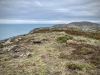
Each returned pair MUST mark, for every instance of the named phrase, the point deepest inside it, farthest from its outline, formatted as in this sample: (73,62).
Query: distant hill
(82,25)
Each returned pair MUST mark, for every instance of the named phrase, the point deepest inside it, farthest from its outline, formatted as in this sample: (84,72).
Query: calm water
(10,30)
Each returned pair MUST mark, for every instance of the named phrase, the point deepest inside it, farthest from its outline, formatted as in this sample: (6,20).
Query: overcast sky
(49,11)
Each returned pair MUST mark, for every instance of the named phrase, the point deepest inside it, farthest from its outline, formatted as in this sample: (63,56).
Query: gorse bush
(63,39)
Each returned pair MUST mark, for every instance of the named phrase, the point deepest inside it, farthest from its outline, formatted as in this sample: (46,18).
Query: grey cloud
(50,10)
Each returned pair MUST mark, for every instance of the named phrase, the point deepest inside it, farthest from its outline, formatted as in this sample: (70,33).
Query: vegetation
(63,39)
(74,66)
(83,50)
(94,35)
(96,61)
(1,45)
(72,31)
(88,52)
(63,56)
(23,57)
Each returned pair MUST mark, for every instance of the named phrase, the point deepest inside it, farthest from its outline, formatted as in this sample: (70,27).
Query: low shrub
(63,56)
(96,61)
(63,39)
(76,66)
(83,50)
(1,45)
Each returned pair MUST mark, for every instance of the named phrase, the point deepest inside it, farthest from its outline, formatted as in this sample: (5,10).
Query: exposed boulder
(13,48)
(16,39)
(37,41)
(7,42)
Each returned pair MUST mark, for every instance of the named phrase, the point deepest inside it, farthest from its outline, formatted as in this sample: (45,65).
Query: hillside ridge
(51,51)
(85,25)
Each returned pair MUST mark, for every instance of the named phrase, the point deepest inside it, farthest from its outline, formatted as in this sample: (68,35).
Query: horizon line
(14,21)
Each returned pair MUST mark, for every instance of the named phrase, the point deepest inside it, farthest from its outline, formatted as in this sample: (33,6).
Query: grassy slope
(51,57)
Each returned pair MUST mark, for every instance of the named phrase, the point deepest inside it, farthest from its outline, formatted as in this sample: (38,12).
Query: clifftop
(51,51)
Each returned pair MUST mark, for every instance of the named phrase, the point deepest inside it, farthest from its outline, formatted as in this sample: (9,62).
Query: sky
(49,11)
(30,14)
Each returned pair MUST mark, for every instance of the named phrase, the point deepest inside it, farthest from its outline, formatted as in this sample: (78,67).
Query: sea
(10,30)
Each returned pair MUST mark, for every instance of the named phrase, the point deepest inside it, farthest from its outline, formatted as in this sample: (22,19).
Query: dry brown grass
(50,57)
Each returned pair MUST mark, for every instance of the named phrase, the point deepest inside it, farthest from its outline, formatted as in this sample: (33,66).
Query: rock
(18,39)
(8,41)
(21,55)
(29,55)
(15,56)
(37,42)
(13,48)
(10,48)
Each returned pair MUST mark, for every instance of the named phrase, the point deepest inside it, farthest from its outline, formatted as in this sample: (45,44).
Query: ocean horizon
(10,30)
